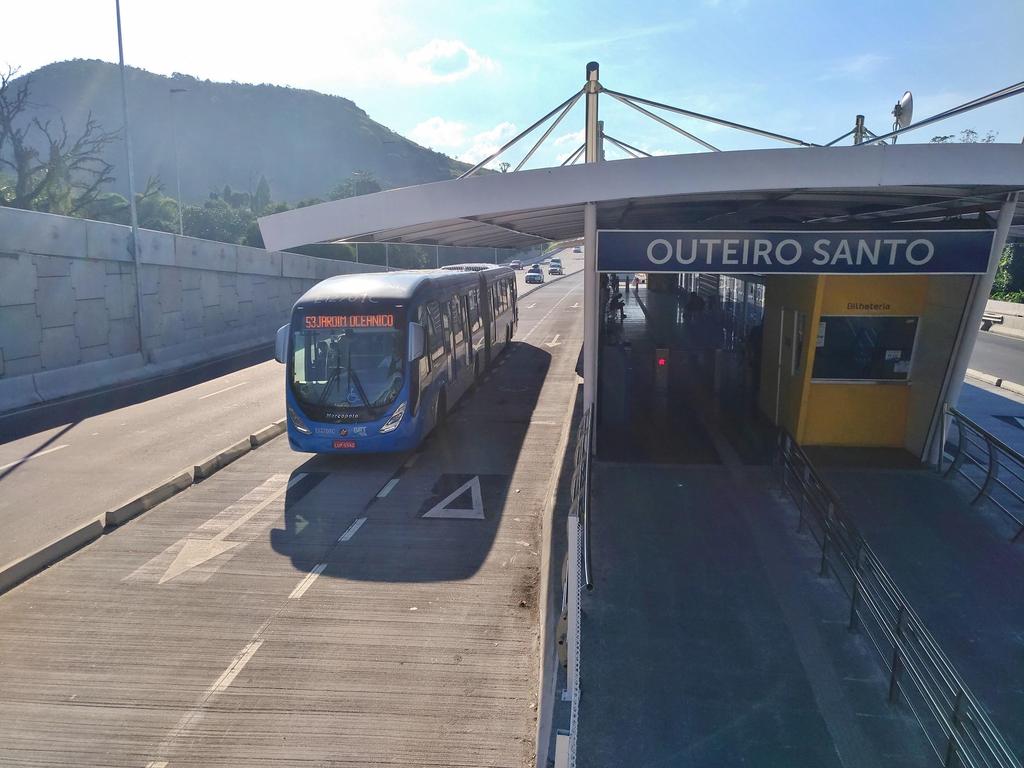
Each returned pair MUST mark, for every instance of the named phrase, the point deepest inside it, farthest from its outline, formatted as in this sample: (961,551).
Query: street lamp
(177,167)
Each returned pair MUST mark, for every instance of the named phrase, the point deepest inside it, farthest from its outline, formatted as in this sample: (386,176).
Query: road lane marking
(476,510)
(222,391)
(352,529)
(554,342)
(548,314)
(531,306)
(388,488)
(236,666)
(307,582)
(21,461)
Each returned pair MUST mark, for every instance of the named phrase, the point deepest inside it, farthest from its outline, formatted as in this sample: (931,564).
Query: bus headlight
(298,423)
(396,418)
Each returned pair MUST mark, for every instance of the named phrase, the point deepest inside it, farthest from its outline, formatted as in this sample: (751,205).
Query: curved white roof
(878,185)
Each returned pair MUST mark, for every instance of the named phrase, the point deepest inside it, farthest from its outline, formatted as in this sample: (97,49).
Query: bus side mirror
(281,344)
(417,341)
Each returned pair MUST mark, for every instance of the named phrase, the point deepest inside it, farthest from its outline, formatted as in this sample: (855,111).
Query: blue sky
(463,76)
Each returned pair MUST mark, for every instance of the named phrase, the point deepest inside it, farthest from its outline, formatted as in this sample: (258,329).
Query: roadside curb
(18,571)
(995,381)
(149,499)
(22,569)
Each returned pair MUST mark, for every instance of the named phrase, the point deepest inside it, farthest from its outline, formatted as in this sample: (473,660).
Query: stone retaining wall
(68,318)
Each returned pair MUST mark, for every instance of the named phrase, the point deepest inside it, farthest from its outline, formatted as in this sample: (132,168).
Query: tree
(261,199)
(358,183)
(967,136)
(504,166)
(64,177)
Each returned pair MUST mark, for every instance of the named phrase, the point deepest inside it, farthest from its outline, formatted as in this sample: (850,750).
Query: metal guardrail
(579,494)
(988,464)
(955,724)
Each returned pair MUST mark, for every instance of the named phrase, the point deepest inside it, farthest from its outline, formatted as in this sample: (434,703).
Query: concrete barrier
(14,573)
(221,459)
(988,378)
(149,499)
(268,433)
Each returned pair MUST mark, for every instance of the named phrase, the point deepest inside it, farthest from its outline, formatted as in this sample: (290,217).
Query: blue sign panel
(889,252)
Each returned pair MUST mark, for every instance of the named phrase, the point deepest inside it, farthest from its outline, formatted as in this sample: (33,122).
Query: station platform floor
(709,639)
(958,568)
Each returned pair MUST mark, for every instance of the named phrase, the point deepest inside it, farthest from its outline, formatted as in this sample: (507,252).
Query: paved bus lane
(296,609)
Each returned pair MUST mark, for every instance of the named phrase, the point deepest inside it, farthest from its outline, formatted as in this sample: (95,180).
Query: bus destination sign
(317,322)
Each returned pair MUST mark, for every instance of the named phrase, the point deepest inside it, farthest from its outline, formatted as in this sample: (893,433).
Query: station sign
(889,252)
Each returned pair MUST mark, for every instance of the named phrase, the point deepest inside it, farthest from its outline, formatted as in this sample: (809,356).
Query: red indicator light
(662,362)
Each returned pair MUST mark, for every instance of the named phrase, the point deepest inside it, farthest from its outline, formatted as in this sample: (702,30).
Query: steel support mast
(591,291)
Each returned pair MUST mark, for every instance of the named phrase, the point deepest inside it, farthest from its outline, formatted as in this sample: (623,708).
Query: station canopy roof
(856,187)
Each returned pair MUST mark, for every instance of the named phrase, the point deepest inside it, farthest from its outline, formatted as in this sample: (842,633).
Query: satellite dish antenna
(903,113)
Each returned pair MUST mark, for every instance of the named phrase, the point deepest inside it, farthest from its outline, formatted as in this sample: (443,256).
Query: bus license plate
(344,443)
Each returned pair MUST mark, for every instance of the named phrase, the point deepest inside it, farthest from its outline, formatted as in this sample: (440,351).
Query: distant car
(555,269)
(516,264)
(534,275)
(577,249)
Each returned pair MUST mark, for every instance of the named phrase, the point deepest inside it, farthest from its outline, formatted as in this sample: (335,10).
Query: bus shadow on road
(442,520)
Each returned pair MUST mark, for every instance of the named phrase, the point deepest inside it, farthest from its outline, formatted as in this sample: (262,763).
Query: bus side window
(455,308)
(437,341)
(474,310)
(424,320)
(446,320)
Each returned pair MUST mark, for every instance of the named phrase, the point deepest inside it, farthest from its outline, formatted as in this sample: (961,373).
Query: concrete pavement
(297,610)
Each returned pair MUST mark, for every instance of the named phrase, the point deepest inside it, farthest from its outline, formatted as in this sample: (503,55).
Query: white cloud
(573,139)
(443,61)
(487,142)
(439,133)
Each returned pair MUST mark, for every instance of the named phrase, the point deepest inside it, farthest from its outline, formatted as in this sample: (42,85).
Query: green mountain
(304,142)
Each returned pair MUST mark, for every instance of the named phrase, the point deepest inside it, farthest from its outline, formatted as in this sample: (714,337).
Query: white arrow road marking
(476,513)
(300,524)
(554,342)
(531,306)
(210,539)
(575,306)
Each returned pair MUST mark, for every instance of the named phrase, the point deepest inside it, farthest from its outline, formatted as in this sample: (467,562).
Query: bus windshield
(348,367)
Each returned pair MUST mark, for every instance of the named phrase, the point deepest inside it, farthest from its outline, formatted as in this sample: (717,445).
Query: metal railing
(988,464)
(579,493)
(955,724)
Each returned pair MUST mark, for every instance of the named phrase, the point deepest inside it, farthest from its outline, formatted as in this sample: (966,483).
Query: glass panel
(348,367)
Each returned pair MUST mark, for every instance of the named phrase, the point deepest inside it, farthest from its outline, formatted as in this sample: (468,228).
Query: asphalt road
(297,611)
(64,464)
(1001,356)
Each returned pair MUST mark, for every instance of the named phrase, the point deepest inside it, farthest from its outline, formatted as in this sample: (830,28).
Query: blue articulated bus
(375,361)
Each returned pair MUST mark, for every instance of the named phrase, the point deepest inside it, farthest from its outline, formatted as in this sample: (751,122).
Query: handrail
(1002,466)
(579,498)
(954,722)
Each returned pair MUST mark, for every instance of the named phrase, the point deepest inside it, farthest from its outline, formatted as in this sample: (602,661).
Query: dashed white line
(236,666)
(388,488)
(351,530)
(221,391)
(307,582)
(33,456)
(547,314)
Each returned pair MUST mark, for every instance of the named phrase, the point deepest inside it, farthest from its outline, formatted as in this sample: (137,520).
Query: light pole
(131,185)
(177,167)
